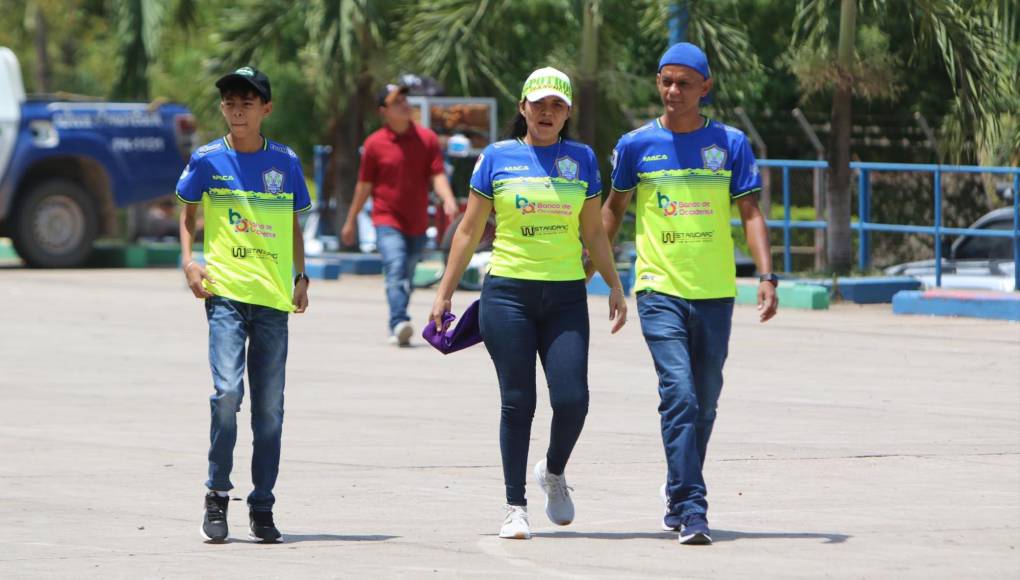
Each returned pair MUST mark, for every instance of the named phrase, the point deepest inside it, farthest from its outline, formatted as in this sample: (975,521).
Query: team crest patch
(273,180)
(714,157)
(566,167)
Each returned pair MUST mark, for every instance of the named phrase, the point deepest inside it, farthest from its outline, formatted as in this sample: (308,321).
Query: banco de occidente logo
(243,225)
(672,208)
(523,204)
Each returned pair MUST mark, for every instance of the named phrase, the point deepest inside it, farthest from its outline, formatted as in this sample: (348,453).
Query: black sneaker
(262,527)
(214,524)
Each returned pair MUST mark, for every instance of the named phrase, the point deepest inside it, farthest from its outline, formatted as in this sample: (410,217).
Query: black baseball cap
(387,93)
(254,77)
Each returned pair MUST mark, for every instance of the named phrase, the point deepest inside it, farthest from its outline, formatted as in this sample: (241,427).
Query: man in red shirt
(399,164)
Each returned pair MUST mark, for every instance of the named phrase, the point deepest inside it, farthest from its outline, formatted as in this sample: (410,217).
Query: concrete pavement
(850,444)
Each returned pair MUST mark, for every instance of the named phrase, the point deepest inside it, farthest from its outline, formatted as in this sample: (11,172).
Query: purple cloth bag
(464,335)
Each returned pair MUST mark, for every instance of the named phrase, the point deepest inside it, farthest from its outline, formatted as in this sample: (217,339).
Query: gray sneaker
(558,505)
(402,334)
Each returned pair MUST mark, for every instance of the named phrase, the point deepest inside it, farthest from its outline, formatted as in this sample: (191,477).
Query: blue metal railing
(863,226)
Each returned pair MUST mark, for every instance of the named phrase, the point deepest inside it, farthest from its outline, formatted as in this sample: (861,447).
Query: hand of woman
(617,308)
(440,307)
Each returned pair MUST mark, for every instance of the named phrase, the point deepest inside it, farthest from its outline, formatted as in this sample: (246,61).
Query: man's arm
(613,210)
(301,288)
(194,272)
(441,185)
(361,192)
(757,232)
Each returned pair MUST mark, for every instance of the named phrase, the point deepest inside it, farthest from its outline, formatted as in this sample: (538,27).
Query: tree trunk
(347,139)
(839,243)
(587,96)
(40,40)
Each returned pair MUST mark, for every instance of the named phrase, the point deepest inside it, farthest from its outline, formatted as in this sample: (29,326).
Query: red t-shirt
(400,168)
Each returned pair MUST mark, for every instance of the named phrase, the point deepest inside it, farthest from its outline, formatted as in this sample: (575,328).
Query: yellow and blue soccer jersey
(249,200)
(685,185)
(537,193)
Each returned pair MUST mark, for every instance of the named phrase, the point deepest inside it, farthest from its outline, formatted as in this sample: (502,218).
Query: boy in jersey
(687,170)
(251,190)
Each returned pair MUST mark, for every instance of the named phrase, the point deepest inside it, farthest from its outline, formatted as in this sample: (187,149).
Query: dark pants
(231,324)
(519,318)
(689,341)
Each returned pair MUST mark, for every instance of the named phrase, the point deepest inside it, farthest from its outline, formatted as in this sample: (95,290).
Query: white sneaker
(558,505)
(402,334)
(665,503)
(515,525)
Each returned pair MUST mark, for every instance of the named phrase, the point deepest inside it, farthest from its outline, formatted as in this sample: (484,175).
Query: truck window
(973,248)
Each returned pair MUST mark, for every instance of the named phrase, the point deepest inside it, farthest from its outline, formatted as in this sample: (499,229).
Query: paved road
(850,444)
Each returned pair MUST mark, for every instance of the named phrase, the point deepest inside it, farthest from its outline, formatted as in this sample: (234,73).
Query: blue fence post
(938,228)
(1016,232)
(863,215)
(679,17)
(321,153)
(787,258)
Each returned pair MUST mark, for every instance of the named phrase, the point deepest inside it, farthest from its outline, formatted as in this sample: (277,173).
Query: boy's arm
(301,287)
(194,272)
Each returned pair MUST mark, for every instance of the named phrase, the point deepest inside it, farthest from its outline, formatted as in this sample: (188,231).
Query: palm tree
(608,48)
(965,39)
(35,22)
(139,26)
(341,44)
(715,26)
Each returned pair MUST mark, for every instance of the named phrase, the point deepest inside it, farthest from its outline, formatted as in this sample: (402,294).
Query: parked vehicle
(971,262)
(67,164)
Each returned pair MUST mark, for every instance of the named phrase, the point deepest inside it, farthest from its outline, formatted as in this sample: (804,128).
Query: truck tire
(55,223)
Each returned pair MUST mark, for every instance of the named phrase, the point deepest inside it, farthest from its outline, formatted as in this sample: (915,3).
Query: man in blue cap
(687,170)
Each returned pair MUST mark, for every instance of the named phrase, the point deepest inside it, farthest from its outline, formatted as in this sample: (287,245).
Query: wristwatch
(302,276)
(770,277)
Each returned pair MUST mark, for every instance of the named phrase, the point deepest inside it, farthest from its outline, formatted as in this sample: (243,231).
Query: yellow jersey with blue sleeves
(249,200)
(685,185)
(537,194)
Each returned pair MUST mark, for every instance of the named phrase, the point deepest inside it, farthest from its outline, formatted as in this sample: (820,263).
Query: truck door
(12,95)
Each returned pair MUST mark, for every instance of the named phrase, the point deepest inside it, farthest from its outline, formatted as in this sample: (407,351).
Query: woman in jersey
(545,192)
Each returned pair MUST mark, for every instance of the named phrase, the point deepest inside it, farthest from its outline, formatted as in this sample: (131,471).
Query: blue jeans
(689,340)
(231,323)
(519,318)
(400,255)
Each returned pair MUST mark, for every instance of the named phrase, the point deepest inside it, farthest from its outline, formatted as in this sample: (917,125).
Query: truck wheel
(55,224)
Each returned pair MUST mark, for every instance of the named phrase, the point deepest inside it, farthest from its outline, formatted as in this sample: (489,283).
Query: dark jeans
(231,323)
(689,341)
(400,256)
(519,318)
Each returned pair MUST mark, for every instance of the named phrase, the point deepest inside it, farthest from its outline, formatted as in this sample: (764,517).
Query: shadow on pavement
(609,535)
(730,536)
(298,538)
(717,536)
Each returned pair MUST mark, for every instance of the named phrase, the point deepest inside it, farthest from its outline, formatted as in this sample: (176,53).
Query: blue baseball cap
(690,56)
(686,54)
